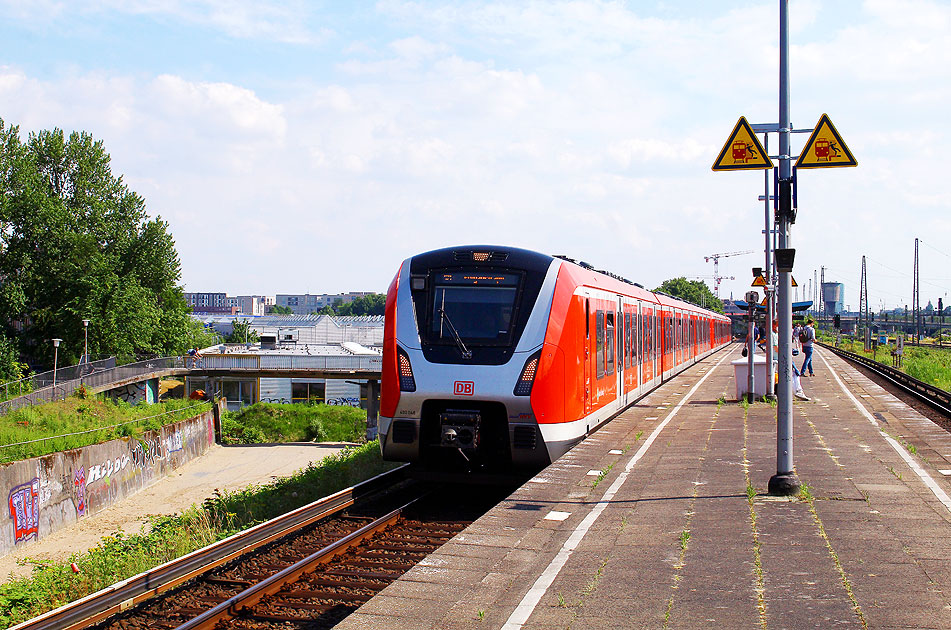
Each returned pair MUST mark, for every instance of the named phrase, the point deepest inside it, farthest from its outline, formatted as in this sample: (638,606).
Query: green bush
(274,422)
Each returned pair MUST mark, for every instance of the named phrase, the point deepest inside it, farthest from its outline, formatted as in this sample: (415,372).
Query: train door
(621,354)
(691,336)
(678,338)
(635,348)
(587,355)
(647,357)
(666,350)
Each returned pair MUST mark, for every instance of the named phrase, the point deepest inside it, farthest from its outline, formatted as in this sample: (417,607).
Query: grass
(930,365)
(272,423)
(120,556)
(601,476)
(94,419)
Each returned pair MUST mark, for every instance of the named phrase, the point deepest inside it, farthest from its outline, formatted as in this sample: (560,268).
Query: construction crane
(716,267)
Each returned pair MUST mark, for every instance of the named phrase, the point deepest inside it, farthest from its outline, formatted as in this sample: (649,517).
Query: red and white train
(497,358)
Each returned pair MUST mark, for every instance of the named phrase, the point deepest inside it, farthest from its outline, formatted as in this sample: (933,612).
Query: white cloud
(584,128)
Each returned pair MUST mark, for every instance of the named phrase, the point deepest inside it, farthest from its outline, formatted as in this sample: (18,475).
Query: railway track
(310,567)
(936,398)
(131,592)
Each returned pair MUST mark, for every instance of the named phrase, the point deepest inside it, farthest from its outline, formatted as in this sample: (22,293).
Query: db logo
(463,388)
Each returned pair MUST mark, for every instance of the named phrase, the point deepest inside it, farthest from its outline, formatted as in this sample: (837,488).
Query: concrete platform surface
(221,468)
(660,520)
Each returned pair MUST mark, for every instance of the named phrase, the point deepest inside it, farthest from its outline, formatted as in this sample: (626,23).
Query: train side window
(599,342)
(609,349)
(635,332)
(587,318)
(628,339)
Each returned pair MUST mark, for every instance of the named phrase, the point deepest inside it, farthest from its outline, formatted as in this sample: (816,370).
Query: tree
(372,304)
(242,332)
(76,243)
(326,310)
(11,369)
(277,309)
(694,291)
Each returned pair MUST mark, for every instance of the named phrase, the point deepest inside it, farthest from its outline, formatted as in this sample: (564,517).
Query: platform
(660,520)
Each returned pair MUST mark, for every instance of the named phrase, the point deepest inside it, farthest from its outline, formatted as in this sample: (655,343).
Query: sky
(300,146)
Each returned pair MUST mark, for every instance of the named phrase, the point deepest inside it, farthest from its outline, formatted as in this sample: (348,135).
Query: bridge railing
(289,362)
(106,374)
(101,377)
(45,379)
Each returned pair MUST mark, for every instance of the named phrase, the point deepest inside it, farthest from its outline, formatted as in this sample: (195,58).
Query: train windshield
(475,306)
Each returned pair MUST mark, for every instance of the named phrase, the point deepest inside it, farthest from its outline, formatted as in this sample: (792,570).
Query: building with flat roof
(305,303)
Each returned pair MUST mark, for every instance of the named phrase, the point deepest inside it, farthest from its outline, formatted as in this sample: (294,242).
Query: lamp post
(86,340)
(55,358)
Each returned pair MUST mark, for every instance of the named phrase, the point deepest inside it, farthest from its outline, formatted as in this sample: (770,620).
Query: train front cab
(452,402)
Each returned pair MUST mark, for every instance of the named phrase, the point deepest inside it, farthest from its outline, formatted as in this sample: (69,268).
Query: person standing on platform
(806,337)
(797,384)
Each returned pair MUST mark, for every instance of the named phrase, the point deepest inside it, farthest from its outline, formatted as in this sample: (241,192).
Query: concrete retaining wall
(46,493)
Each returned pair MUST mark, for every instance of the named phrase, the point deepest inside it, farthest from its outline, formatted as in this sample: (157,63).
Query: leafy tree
(694,291)
(199,335)
(76,243)
(373,304)
(11,369)
(241,332)
(326,310)
(277,309)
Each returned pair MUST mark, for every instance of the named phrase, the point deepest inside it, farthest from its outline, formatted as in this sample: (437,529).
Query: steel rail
(125,594)
(935,397)
(271,585)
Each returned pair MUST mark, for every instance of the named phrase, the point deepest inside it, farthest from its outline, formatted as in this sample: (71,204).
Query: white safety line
(534,595)
(902,452)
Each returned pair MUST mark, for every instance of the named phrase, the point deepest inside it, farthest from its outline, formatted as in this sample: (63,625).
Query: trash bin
(741,373)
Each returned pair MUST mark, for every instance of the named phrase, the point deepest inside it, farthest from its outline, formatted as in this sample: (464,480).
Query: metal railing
(103,374)
(45,379)
(100,377)
(289,362)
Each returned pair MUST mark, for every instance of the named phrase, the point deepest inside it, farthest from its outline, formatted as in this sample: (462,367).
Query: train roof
(535,260)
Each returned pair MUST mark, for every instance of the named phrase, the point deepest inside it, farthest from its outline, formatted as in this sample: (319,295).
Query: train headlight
(407,382)
(525,381)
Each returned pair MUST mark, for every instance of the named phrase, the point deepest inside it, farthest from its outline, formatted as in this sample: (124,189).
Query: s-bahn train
(497,358)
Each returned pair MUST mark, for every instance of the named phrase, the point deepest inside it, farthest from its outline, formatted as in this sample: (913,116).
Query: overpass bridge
(106,377)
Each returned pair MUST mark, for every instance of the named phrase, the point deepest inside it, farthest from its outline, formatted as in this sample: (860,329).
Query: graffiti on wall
(83,486)
(79,488)
(24,502)
(146,452)
(108,468)
(344,401)
(133,393)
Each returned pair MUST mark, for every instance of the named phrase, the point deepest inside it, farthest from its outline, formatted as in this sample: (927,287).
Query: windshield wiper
(444,317)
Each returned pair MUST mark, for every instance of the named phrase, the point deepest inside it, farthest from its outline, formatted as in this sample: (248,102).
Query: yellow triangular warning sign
(794,283)
(759,281)
(825,147)
(765,300)
(742,151)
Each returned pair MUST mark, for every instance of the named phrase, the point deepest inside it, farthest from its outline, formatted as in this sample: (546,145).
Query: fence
(289,362)
(45,379)
(102,375)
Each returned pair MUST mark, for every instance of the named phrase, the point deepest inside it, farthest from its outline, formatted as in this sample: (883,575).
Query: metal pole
(750,350)
(55,359)
(784,482)
(770,374)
